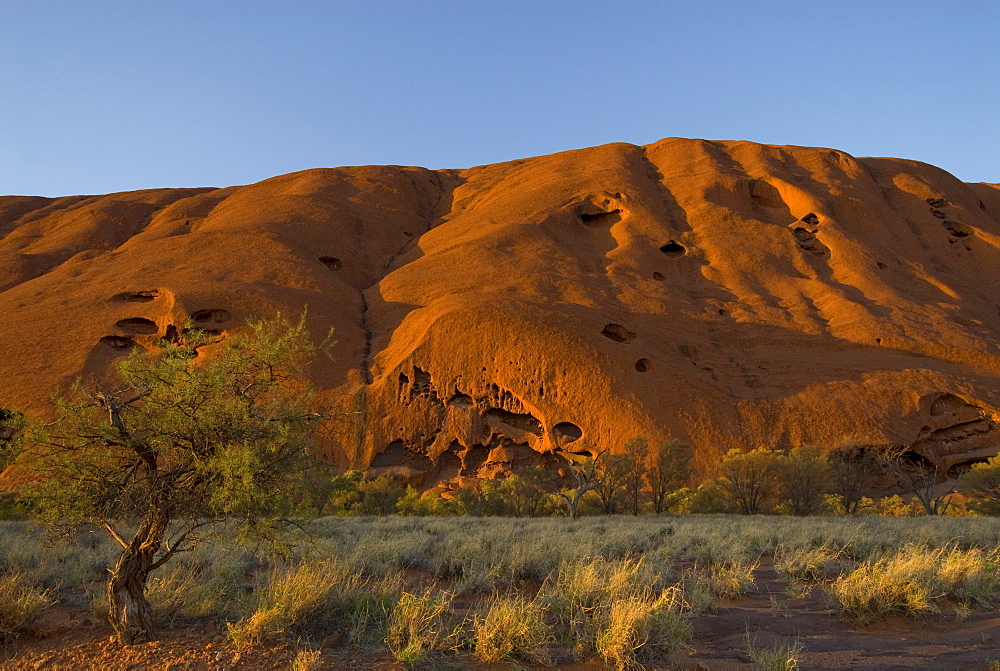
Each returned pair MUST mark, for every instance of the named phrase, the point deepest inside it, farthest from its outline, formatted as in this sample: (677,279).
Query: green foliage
(749,478)
(804,474)
(667,471)
(709,497)
(182,441)
(982,482)
(205,437)
(379,496)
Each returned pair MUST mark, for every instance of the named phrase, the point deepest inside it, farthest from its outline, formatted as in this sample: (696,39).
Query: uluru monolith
(728,294)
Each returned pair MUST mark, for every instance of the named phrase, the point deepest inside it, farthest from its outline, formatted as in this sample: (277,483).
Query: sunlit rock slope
(725,293)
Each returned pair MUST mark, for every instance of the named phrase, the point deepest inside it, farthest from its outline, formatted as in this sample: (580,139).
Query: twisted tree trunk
(129,612)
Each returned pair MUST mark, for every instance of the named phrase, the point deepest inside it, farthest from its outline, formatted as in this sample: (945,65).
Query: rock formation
(725,293)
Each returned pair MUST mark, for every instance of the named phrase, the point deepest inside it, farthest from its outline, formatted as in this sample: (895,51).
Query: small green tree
(668,470)
(634,474)
(379,496)
(749,477)
(982,482)
(183,441)
(805,475)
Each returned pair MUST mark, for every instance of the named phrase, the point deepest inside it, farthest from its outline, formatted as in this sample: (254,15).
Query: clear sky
(100,96)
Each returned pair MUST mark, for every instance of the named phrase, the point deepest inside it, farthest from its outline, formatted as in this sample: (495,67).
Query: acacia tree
(182,442)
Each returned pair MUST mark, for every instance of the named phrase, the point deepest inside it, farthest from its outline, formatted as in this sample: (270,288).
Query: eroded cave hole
(602,218)
(673,249)
(522,422)
(331,262)
(956,229)
(658,276)
(937,202)
(946,404)
(397,454)
(138,325)
(567,432)
(642,365)
(810,219)
(118,342)
(617,332)
(939,214)
(137,296)
(459,400)
(216,315)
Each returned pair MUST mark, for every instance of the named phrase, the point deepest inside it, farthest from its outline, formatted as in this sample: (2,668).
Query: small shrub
(643,629)
(21,604)
(292,595)
(420,624)
(307,660)
(511,630)
(782,655)
(732,579)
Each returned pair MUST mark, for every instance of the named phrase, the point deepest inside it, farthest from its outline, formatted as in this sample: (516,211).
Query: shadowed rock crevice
(617,332)
(673,249)
(119,343)
(331,262)
(146,296)
(138,325)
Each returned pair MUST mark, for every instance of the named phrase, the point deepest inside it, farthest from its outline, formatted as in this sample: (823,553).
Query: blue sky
(101,96)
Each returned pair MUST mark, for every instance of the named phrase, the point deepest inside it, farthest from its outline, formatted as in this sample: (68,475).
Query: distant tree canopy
(176,444)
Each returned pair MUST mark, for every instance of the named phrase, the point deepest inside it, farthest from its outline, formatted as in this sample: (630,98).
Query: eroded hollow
(214,315)
(617,332)
(331,262)
(138,325)
(673,249)
(522,422)
(460,400)
(811,219)
(119,343)
(956,229)
(937,202)
(602,218)
(137,296)
(658,276)
(642,365)
(567,432)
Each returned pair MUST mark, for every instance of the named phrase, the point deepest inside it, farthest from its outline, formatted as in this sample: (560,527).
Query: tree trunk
(129,611)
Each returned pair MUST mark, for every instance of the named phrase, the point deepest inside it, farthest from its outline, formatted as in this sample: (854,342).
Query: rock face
(725,293)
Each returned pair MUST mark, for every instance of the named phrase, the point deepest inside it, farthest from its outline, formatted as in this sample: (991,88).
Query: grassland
(620,591)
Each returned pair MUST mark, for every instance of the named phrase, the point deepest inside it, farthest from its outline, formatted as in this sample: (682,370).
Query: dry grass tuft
(21,604)
(511,630)
(420,624)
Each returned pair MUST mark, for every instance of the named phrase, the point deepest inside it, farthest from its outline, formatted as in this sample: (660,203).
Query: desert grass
(311,599)
(918,579)
(22,603)
(783,653)
(421,625)
(620,590)
(511,629)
